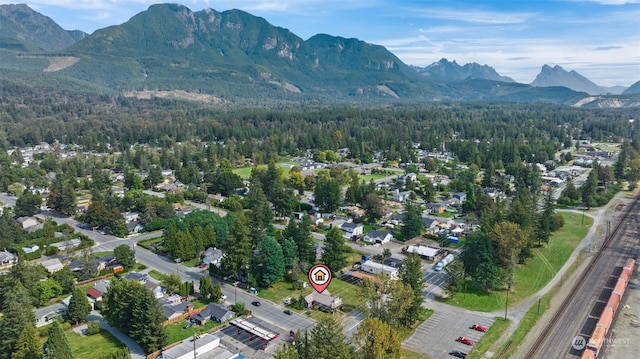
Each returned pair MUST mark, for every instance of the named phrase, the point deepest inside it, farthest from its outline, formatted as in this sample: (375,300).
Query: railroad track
(585,285)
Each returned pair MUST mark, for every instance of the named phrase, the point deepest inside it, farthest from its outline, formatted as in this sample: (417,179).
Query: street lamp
(506,303)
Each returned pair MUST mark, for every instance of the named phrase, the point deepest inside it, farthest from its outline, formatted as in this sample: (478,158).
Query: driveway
(135,350)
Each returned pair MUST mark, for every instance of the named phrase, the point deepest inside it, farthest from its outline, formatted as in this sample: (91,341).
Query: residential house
(428,253)
(401,196)
(378,237)
(94,295)
(31,249)
(173,309)
(6,257)
(430,225)
(204,346)
(27,222)
(102,286)
(68,244)
(157,290)
(213,256)
(131,217)
(323,300)
(387,212)
(460,196)
(134,227)
(47,314)
(52,265)
(350,230)
(213,311)
(436,207)
(140,277)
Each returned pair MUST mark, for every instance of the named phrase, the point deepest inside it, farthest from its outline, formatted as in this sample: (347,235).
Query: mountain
(32,31)
(633,89)
(614,90)
(557,76)
(233,56)
(450,71)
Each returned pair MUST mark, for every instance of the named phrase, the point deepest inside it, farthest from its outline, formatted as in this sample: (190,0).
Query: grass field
(156,275)
(537,272)
(93,346)
(176,331)
(244,172)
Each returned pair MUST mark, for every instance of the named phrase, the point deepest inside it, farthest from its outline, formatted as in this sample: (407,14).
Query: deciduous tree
(125,255)
(375,339)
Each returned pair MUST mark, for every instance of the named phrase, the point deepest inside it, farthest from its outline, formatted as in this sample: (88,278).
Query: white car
(224,297)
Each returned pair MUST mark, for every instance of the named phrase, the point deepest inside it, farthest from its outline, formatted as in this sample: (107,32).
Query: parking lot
(436,337)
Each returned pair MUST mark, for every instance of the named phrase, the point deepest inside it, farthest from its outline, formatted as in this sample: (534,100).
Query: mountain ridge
(557,76)
(451,71)
(235,55)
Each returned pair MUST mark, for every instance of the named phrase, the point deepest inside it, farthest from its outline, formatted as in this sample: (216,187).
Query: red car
(465,340)
(479,328)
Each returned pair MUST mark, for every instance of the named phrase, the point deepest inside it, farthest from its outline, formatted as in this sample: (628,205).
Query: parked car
(188,325)
(458,354)
(202,265)
(287,312)
(479,328)
(223,297)
(465,340)
(256,303)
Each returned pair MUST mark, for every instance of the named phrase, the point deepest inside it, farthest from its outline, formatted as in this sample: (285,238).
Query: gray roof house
(172,310)
(213,311)
(52,265)
(6,257)
(47,314)
(212,256)
(375,236)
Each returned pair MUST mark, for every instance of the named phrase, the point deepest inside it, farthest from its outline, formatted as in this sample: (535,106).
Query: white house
(212,256)
(378,237)
(375,268)
(349,230)
(428,253)
(206,345)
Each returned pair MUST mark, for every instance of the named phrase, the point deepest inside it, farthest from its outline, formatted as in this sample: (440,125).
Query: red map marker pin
(319,277)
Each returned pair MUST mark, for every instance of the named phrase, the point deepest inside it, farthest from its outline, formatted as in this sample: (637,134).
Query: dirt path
(591,241)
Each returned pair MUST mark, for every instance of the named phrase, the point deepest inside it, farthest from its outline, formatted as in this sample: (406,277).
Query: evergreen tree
(327,194)
(239,247)
(216,292)
(57,344)
(289,252)
(411,275)
(28,345)
(79,306)
(147,327)
(306,251)
(132,308)
(205,287)
(334,250)
(17,314)
(412,220)
(28,204)
(328,341)
(272,261)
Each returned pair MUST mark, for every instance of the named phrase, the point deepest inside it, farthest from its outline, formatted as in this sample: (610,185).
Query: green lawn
(156,275)
(93,346)
(244,172)
(102,254)
(537,272)
(374,177)
(176,331)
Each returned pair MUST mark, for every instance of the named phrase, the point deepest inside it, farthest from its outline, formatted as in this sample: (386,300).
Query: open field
(537,272)
(93,346)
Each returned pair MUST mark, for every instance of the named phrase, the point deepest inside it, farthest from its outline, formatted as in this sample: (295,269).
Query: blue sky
(600,39)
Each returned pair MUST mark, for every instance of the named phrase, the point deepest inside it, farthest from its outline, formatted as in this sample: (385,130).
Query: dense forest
(480,133)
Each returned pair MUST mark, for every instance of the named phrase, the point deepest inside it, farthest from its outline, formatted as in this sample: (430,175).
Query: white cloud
(475,16)
(609,2)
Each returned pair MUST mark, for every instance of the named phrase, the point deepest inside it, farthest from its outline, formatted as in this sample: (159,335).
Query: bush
(93,327)
(66,326)
(51,250)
